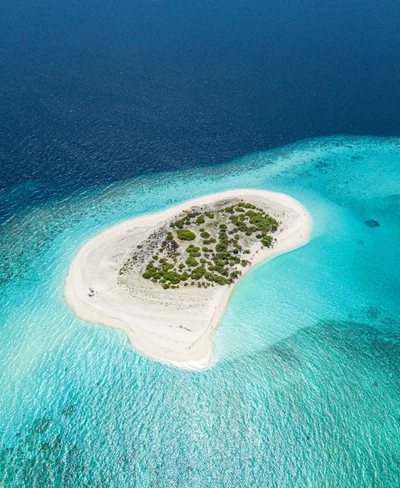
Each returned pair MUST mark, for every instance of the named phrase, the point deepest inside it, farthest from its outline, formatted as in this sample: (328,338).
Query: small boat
(91,289)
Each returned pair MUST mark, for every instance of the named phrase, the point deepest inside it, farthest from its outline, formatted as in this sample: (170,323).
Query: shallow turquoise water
(304,390)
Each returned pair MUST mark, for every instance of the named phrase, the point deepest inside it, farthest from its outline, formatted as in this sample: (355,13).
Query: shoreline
(152,326)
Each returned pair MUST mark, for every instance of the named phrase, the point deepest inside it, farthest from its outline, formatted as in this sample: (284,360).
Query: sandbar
(173,326)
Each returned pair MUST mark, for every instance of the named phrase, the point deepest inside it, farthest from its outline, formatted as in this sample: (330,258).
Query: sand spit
(173,326)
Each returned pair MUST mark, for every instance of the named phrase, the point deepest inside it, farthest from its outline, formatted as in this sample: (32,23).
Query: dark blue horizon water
(99,91)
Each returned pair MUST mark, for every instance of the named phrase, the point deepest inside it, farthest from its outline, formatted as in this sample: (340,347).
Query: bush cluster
(247,220)
(186,235)
(192,262)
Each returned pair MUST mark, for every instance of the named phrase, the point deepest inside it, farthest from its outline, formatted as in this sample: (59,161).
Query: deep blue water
(97,91)
(109,110)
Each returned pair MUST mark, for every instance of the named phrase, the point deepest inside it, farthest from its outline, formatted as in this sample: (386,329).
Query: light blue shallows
(304,389)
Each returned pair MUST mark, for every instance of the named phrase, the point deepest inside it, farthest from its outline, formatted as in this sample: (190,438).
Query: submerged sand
(174,326)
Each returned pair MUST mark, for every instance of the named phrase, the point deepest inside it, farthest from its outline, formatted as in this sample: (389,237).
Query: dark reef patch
(372,223)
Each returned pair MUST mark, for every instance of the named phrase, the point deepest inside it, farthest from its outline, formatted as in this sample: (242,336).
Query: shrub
(205,235)
(209,215)
(192,248)
(192,261)
(266,241)
(221,280)
(221,246)
(179,224)
(198,273)
(200,220)
(173,277)
(186,235)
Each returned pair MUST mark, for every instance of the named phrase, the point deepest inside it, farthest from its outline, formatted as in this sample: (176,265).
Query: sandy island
(174,326)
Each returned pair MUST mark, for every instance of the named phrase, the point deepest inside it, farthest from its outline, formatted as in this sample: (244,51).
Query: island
(165,279)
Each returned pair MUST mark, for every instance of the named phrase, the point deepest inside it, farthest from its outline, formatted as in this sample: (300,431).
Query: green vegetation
(191,261)
(186,235)
(217,257)
(200,220)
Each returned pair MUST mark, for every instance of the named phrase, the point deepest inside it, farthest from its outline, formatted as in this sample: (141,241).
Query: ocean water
(96,91)
(304,389)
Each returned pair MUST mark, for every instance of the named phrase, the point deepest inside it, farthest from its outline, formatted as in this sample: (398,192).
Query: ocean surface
(95,91)
(113,109)
(304,389)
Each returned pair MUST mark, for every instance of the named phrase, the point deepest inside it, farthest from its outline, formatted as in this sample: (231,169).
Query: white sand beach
(174,326)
